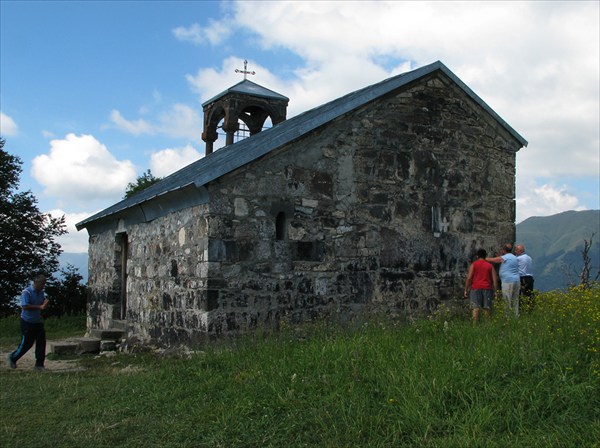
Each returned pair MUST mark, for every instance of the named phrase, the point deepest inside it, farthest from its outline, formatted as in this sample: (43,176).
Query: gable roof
(231,157)
(249,88)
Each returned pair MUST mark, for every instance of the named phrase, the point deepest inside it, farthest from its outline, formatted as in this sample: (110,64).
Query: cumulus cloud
(72,241)
(181,121)
(216,32)
(8,127)
(81,168)
(167,161)
(545,200)
(136,127)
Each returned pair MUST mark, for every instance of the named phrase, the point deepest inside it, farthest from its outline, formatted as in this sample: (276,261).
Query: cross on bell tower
(245,71)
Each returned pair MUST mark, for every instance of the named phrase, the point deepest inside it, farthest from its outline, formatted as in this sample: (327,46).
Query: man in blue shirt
(509,277)
(33,301)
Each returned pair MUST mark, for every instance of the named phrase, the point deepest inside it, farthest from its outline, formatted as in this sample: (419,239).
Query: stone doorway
(122,246)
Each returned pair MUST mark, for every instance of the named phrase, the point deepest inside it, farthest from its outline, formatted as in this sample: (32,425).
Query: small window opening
(281,227)
(436,220)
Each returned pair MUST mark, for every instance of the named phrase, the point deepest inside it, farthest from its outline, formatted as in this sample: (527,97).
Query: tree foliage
(27,236)
(142,182)
(68,295)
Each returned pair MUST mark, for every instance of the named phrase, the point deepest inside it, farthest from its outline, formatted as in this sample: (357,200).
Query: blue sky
(94,93)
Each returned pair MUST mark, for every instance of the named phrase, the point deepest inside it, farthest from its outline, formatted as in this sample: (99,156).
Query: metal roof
(249,88)
(231,157)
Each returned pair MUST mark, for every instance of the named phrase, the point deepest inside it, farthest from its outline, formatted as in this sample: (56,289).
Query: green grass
(527,383)
(56,328)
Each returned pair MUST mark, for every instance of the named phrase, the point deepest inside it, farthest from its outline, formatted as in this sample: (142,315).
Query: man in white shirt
(525,275)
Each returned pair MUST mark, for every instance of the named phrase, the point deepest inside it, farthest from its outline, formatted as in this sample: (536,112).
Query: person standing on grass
(481,285)
(525,275)
(509,277)
(33,301)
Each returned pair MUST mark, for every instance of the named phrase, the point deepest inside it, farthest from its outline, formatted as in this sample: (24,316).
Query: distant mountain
(78,260)
(555,244)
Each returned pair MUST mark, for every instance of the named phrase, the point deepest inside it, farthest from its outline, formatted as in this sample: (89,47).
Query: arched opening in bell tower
(240,112)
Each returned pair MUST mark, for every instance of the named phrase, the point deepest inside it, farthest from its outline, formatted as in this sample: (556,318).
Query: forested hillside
(555,244)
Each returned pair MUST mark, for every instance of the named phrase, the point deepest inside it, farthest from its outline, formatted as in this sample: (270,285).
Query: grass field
(439,382)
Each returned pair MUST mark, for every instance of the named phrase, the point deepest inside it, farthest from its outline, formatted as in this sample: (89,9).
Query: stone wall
(167,278)
(382,210)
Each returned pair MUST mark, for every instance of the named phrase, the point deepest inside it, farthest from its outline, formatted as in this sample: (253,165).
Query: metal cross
(245,72)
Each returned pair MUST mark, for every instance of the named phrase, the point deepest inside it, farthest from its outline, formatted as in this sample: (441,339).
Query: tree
(68,295)
(27,236)
(587,264)
(142,182)
(580,274)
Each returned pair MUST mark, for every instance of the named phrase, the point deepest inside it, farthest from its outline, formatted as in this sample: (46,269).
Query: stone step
(89,345)
(64,348)
(111,334)
(75,346)
(108,346)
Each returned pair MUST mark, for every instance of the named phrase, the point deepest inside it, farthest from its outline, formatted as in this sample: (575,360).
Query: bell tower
(246,102)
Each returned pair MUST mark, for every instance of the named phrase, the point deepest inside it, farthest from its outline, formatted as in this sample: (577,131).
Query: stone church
(376,201)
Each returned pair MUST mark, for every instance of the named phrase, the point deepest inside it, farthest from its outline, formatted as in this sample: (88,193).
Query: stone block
(112,334)
(108,346)
(64,348)
(88,345)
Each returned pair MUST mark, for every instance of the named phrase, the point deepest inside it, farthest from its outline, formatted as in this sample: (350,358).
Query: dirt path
(27,362)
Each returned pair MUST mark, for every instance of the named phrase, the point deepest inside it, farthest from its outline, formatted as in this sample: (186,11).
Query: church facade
(375,201)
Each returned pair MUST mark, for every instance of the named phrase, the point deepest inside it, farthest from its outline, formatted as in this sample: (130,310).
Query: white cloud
(167,161)
(545,200)
(216,32)
(181,121)
(8,127)
(73,241)
(81,168)
(417,31)
(136,127)
(209,82)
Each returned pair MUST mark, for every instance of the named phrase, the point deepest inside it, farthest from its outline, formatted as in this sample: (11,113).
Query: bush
(67,296)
